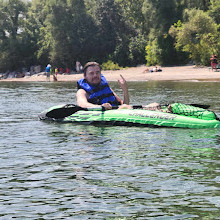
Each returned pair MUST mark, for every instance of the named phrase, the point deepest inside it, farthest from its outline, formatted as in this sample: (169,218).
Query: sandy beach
(177,73)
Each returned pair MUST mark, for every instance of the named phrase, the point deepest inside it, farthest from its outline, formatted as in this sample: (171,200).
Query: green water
(68,171)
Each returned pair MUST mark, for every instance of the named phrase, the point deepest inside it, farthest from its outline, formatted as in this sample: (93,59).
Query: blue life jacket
(98,94)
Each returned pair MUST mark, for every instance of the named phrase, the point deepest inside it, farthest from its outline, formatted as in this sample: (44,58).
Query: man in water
(94,91)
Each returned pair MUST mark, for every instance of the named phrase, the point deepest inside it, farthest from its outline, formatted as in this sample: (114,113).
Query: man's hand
(122,82)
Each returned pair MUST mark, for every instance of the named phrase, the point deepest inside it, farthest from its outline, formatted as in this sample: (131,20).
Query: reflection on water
(69,171)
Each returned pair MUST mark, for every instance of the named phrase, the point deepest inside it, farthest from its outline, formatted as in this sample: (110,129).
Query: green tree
(13,14)
(132,12)
(153,52)
(214,10)
(159,15)
(195,4)
(114,32)
(136,47)
(67,33)
(198,36)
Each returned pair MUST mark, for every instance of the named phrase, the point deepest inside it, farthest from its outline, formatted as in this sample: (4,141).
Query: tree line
(124,32)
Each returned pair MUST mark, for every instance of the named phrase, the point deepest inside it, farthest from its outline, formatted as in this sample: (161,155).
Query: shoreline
(174,73)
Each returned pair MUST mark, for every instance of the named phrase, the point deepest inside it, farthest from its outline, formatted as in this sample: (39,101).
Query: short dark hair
(90,64)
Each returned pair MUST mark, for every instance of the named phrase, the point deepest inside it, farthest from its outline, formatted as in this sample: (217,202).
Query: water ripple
(67,171)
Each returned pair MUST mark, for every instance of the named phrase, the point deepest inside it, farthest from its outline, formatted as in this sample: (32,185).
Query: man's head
(92,73)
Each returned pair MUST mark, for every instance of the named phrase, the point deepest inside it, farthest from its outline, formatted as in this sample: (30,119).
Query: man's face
(93,75)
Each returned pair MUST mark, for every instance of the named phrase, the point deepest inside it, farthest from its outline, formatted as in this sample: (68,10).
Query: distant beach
(174,73)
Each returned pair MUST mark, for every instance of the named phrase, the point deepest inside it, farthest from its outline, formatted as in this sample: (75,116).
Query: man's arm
(82,101)
(118,99)
(123,84)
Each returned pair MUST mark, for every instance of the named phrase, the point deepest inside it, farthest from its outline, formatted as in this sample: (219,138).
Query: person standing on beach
(48,72)
(56,71)
(214,62)
(78,67)
(67,70)
(94,91)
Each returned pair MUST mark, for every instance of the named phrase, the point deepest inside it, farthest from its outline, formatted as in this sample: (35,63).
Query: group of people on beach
(49,70)
(155,69)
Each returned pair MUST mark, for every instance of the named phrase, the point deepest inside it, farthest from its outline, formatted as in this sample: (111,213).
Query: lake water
(69,171)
